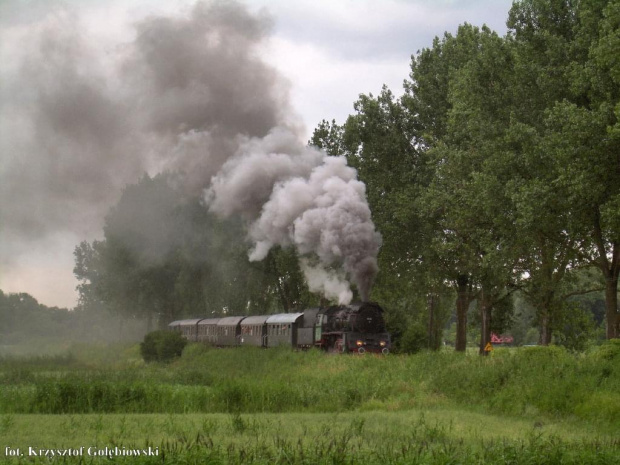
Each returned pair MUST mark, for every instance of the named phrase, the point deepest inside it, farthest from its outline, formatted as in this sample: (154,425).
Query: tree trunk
(545,327)
(485,322)
(431,320)
(462,305)
(611,272)
(546,293)
(611,308)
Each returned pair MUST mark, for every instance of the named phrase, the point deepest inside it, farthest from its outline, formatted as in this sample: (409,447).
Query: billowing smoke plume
(84,112)
(80,118)
(294,195)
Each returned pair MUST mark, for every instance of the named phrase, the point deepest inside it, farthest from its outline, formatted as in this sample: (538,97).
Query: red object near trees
(495,339)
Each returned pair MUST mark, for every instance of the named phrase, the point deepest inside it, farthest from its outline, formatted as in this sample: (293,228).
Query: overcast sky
(327,52)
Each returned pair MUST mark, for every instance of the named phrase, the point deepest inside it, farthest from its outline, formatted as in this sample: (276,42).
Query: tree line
(496,174)
(29,327)
(498,170)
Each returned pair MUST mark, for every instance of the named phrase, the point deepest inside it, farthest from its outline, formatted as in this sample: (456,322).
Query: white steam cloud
(298,196)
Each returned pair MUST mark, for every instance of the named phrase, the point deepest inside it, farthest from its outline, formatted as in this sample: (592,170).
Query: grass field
(531,405)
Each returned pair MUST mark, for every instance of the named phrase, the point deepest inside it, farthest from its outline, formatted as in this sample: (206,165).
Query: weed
(237,423)
(6,423)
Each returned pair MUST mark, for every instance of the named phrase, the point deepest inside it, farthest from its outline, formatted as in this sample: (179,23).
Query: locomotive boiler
(356,328)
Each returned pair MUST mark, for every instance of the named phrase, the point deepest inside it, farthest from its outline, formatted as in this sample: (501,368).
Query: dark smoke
(188,94)
(75,128)
(79,120)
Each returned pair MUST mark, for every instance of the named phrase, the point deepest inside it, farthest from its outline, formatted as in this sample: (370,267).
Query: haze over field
(93,95)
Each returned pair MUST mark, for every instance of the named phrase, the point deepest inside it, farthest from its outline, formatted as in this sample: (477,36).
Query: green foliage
(609,351)
(162,346)
(498,164)
(414,339)
(576,327)
(531,337)
(537,382)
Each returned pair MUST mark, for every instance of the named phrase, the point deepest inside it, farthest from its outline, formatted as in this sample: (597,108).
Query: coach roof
(185,322)
(230,321)
(283,318)
(255,320)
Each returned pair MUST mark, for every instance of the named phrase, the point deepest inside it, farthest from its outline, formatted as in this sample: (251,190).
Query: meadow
(522,405)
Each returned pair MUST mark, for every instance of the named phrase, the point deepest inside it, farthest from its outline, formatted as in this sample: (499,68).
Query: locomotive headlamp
(359,343)
(382,343)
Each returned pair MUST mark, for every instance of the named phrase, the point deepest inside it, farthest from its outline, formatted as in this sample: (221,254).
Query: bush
(414,339)
(162,346)
(609,350)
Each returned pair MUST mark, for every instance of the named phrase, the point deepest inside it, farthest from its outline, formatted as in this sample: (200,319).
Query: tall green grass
(364,438)
(537,381)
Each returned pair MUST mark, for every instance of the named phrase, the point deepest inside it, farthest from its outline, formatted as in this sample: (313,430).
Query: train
(356,328)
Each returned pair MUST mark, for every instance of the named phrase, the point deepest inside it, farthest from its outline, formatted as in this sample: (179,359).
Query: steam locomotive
(344,328)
